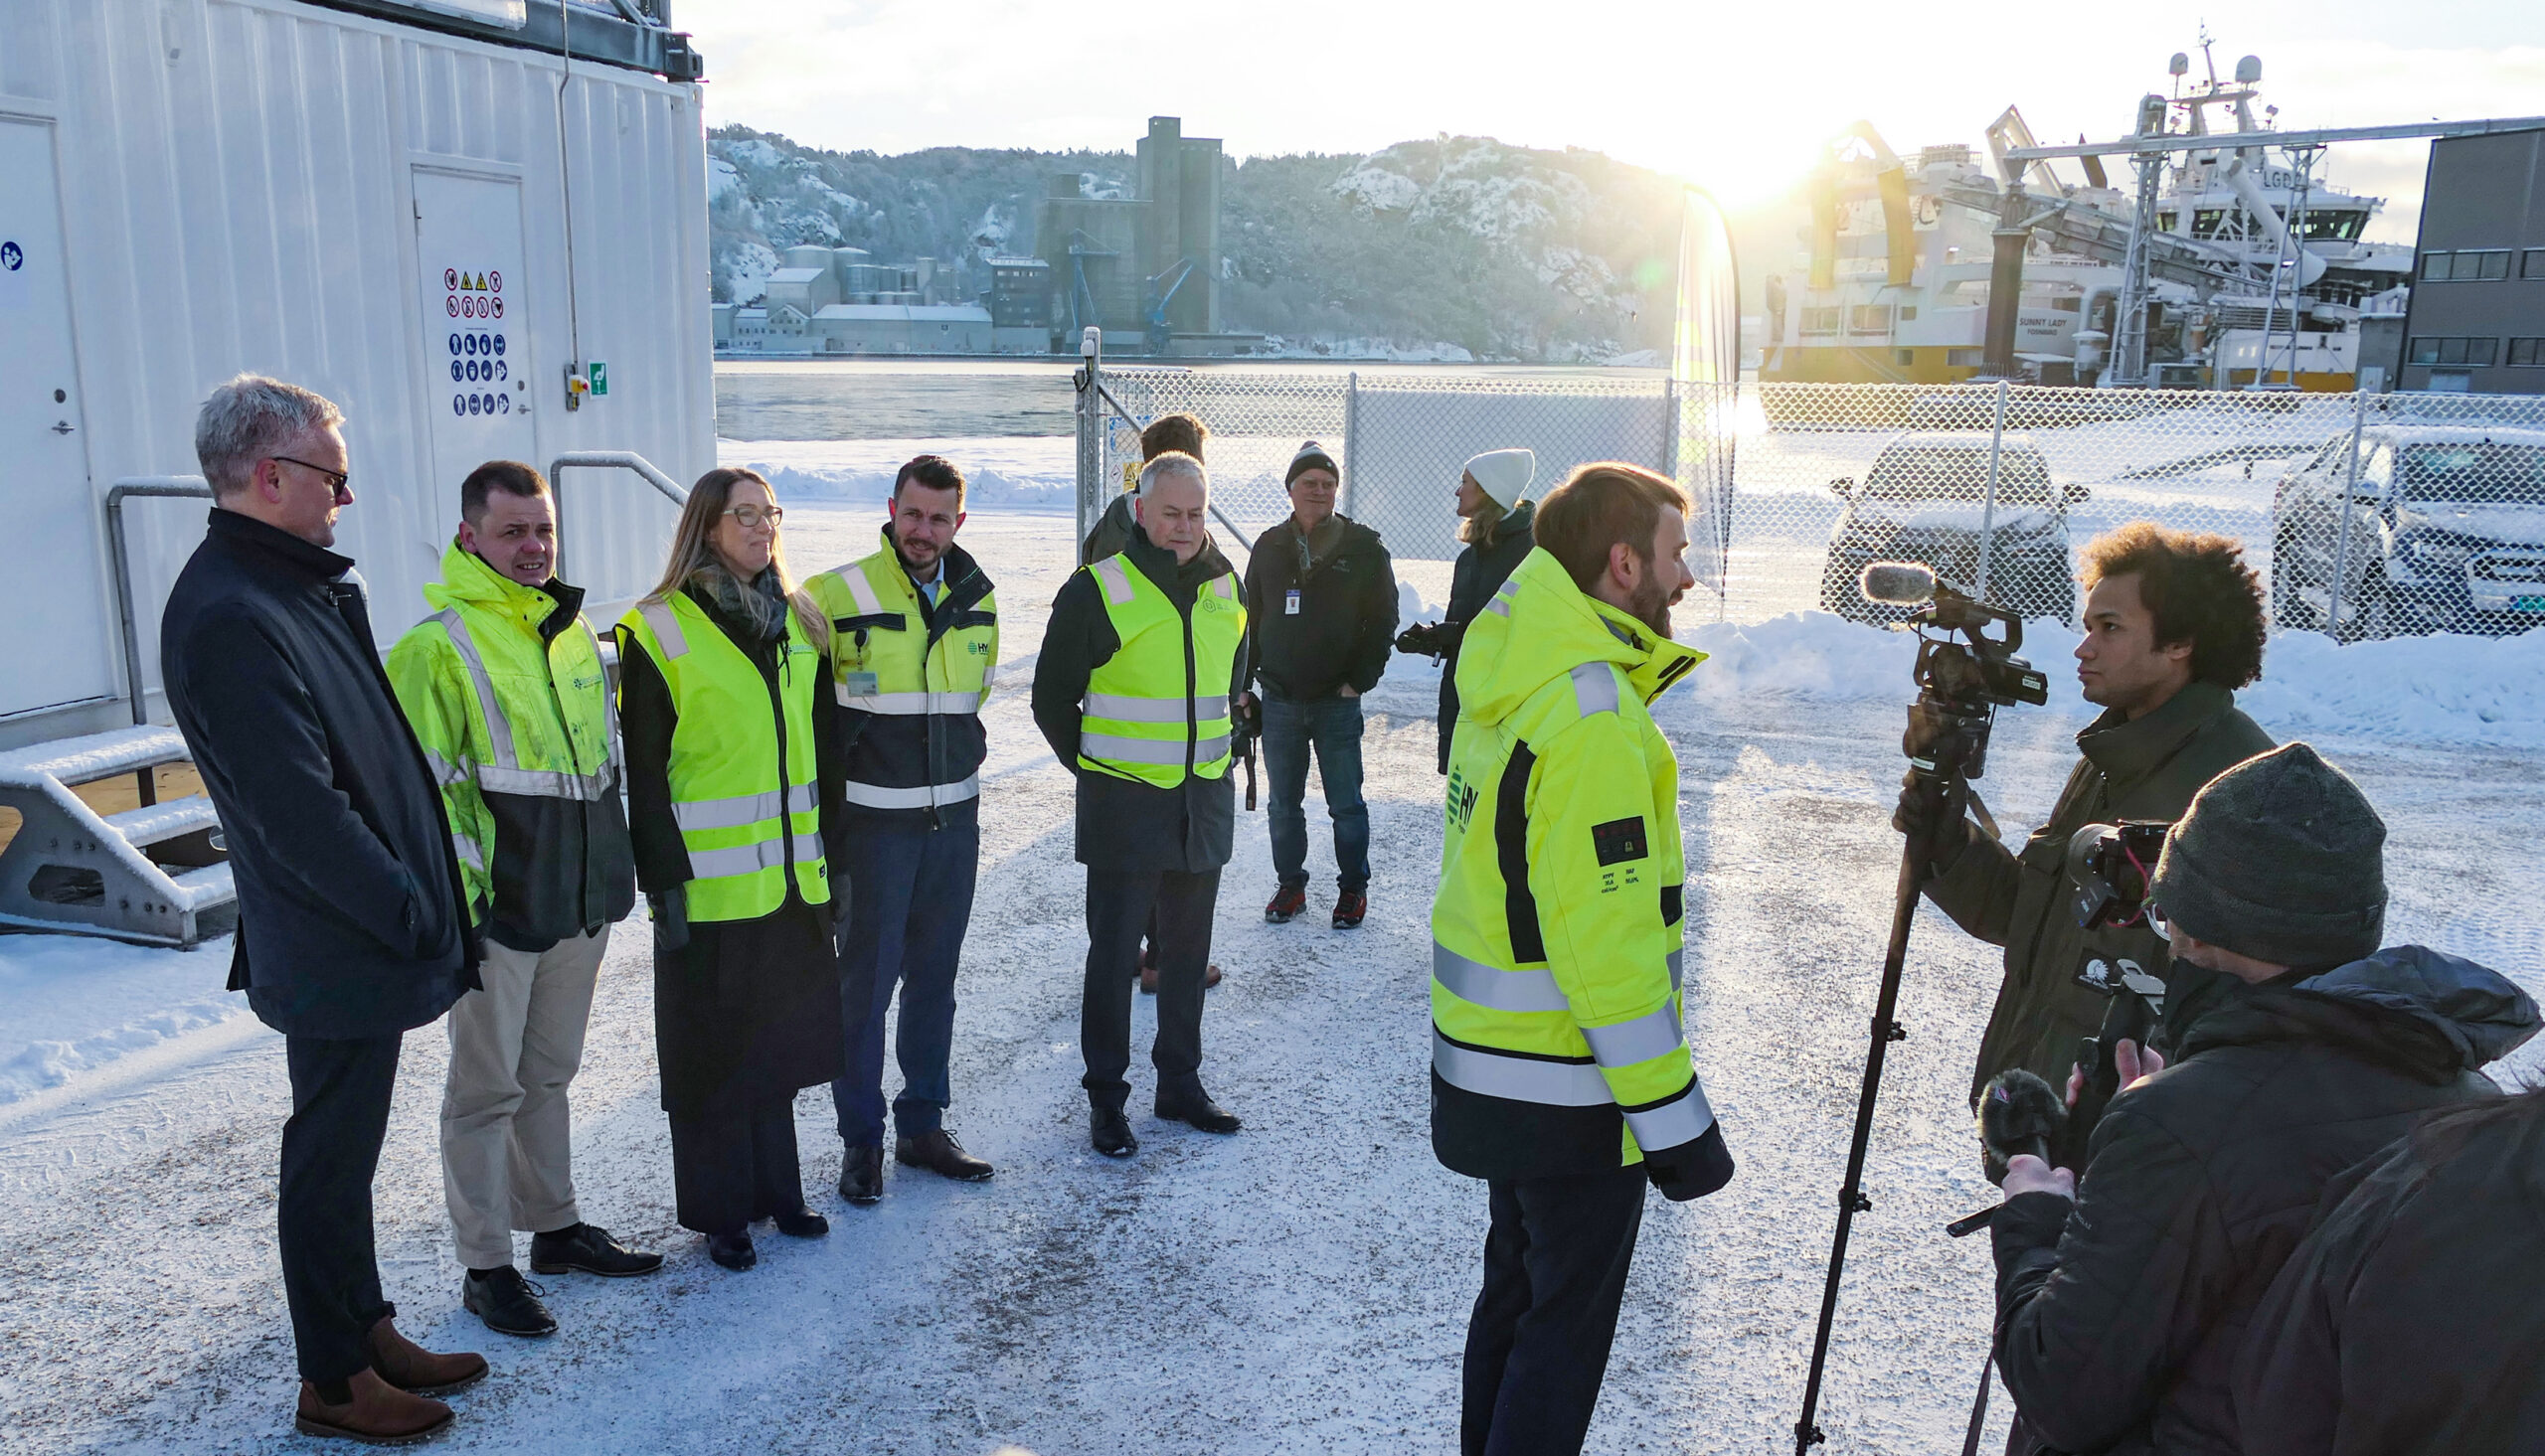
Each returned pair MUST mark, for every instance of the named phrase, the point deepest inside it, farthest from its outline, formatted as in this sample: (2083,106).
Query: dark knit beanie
(2281,859)
(1311,457)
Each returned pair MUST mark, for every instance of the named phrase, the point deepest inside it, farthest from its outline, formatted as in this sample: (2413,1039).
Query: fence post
(1988,503)
(1670,428)
(1351,429)
(2341,537)
(1091,431)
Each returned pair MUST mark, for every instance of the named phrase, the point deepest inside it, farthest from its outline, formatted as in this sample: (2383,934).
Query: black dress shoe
(936,1151)
(586,1249)
(803,1224)
(733,1250)
(508,1303)
(861,1175)
(1110,1132)
(1197,1109)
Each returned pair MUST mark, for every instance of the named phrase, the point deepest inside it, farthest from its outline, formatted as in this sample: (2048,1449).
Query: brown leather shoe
(378,1414)
(418,1370)
(1148,976)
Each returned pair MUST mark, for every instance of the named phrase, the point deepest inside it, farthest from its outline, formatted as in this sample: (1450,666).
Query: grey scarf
(761,605)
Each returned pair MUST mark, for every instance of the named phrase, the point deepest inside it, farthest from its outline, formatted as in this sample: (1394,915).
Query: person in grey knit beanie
(2280,859)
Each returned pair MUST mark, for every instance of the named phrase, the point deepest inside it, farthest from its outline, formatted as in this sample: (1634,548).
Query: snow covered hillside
(1302,1286)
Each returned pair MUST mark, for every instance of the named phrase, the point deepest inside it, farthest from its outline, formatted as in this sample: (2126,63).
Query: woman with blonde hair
(734,800)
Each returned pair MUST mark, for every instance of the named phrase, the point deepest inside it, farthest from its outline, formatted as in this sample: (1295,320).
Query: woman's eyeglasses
(752,518)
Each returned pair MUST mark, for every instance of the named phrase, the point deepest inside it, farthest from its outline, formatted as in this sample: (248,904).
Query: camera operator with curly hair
(2173,627)
(2299,1049)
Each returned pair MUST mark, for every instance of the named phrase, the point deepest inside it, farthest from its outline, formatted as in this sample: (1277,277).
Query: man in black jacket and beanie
(1133,690)
(353,921)
(2298,1048)
(1497,523)
(1324,593)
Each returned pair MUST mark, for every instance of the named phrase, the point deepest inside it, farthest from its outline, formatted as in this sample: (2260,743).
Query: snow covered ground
(1302,1286)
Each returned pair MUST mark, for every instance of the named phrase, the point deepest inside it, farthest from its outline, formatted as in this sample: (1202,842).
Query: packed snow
(1301,1286)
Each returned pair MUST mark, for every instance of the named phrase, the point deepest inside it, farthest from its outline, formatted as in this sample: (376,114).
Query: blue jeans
(909,899)
(1331,727)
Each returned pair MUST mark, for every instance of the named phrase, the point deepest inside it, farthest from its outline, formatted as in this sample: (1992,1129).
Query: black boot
(733,1250)
(802,1223)
(861,1174)
(1110,1132)
(1193,1105)
(936,1151)
(586,1249)
(507,1302)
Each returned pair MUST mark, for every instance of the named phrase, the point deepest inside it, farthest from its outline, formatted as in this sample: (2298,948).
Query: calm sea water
(889,399)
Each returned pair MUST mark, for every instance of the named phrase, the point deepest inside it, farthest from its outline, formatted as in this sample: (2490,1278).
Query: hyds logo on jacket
(1461,799)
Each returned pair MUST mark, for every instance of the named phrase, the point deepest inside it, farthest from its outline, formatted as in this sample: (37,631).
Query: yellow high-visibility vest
(1158,708)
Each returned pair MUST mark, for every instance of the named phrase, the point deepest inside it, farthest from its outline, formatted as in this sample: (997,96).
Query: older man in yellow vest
(1134,689)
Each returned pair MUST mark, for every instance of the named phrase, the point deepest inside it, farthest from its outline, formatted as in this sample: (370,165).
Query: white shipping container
(190,189)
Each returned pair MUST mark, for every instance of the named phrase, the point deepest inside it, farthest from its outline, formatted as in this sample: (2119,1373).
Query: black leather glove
(671,917)
(1422,639)
(1691,1169)
(1924,810)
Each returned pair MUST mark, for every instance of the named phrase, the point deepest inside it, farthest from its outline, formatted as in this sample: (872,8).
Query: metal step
(94,756)
(153,823)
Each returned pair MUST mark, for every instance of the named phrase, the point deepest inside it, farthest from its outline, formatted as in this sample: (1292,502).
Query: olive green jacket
(2025,901)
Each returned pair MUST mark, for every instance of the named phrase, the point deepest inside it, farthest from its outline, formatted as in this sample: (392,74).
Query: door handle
(61,427)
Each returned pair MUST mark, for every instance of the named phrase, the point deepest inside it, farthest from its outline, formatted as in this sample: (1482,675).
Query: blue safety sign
(12,256)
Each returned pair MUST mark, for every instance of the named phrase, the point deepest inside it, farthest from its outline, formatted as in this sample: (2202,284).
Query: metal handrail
(618,461)
(185,487)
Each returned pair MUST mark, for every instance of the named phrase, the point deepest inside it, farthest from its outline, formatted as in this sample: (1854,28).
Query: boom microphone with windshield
(1964,673)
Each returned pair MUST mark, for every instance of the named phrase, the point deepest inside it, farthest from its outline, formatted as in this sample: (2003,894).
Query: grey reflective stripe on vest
(466,848)
(876,797)
(1117,579)
(1655,1033)
(1211,750)
(853,577)
(910,705)
(499,728)
(1682,1119)
(667,633)
(1137,751)
(1520,1078)
(1594,688)
(739,810)
(1492,986)
(446,774)
(1123,709)
(751,858)
(545,783)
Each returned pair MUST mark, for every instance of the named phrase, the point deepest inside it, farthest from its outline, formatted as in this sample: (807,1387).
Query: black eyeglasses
(335,478)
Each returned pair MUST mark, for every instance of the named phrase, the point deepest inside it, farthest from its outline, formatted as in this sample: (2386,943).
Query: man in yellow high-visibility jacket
(1560,1073)
(1134,689)
(505,689)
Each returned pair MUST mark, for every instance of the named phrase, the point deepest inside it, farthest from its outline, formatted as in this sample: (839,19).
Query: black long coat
(746,1010)
(1480,573)
(353,918)
(2119,1317)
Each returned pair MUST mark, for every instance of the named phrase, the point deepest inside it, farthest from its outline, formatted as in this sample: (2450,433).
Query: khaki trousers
(506,1158)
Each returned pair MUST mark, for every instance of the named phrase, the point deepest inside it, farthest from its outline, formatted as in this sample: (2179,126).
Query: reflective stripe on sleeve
(1594,688)
(910,705)
(1520,1078)
(446,774)
(1117,579)
(853,577)
(1677,959)
(1680,1119)
(542,783)
(499,728)
(1492,986)
(466,848)
(876,797)
(742,809)
(1652,1034)
(659,616)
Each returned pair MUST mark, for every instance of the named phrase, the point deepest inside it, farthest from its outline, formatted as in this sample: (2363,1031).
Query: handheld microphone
(1896,583)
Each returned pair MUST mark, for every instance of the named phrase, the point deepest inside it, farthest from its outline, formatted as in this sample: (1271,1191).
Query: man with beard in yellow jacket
(1560,1075)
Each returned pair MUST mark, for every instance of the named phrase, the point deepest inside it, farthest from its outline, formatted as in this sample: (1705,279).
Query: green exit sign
(601,378)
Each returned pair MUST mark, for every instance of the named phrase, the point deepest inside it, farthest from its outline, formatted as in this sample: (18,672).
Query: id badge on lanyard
(1291,603)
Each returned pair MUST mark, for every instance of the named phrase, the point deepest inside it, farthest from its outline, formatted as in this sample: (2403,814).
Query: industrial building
(839,300)
(1145,267)
(2476,320)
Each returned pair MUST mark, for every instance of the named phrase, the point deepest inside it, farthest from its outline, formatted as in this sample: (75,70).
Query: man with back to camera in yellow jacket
(1560,1074)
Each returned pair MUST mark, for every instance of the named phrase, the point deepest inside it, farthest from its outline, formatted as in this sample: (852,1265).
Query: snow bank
(72,1004)
(2487,691)
(1029,473)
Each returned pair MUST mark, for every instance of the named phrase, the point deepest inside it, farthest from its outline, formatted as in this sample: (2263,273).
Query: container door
(56,648)
(477,368)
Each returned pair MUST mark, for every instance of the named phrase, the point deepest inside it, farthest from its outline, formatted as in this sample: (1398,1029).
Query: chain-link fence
(2371,515)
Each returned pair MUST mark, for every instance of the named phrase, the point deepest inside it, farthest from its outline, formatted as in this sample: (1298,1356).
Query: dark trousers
(1555,1272)
(910,897)
(330,1150)
(729,1171)
(1331,727)
(1119,902)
